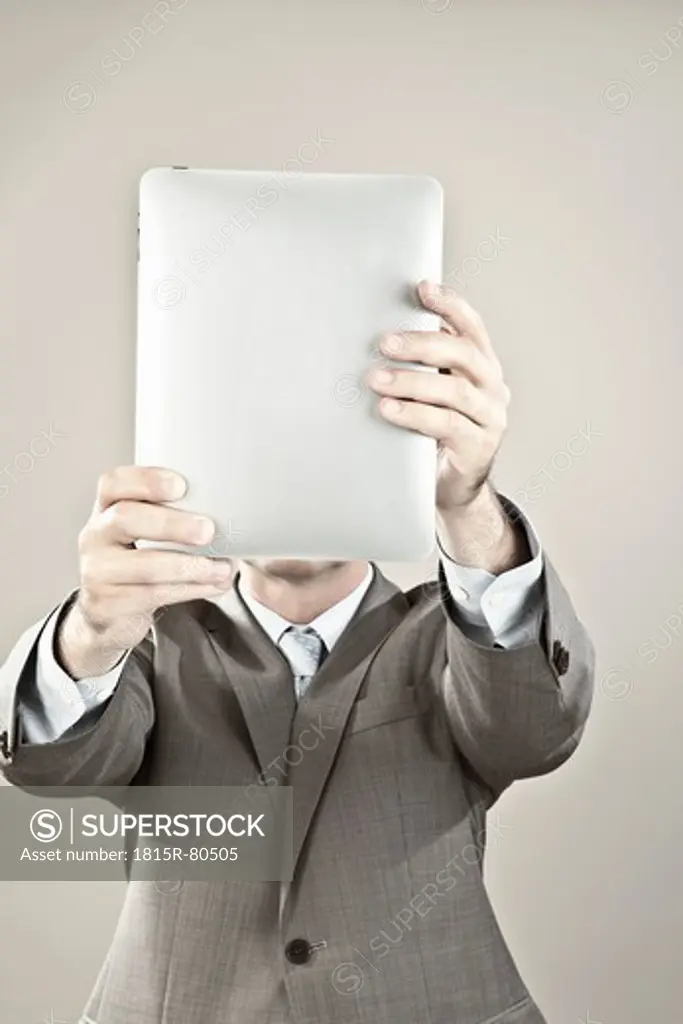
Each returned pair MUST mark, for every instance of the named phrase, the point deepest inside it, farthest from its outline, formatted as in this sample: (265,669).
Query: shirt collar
(330,624)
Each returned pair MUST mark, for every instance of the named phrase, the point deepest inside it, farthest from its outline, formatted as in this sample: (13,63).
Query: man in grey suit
(398,719)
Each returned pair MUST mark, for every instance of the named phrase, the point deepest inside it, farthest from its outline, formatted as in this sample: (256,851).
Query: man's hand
(464,407)
(122,587)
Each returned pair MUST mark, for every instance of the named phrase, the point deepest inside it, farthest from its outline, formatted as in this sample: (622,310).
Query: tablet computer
(261,301)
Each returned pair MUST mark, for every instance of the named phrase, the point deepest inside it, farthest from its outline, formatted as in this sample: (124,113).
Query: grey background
(514,107)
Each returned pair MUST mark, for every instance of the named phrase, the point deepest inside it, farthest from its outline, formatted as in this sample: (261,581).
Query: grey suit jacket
(421,730)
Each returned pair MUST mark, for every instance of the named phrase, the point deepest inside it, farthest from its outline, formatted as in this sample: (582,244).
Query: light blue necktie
(305,651)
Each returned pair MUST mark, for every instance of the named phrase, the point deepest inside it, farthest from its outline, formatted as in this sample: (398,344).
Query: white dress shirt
(504,611)
(329,625)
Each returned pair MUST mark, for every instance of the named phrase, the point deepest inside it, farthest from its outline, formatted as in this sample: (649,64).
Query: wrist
(84,650)
(479,500)
(465,522)
(479,534)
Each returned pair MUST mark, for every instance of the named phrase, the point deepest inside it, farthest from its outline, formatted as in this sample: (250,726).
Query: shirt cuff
(57,702)
(506,608)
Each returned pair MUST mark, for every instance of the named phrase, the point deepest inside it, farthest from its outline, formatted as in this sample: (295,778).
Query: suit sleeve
(56,702)
(104,747)
(519,712)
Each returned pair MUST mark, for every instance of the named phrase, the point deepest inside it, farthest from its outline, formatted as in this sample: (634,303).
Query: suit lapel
(258,673)
(322,714)
(262,681)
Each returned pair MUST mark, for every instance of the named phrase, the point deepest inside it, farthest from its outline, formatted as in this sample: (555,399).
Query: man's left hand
(464,407)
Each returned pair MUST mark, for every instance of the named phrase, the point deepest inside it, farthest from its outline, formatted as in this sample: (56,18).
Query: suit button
(298,951)
(560,658)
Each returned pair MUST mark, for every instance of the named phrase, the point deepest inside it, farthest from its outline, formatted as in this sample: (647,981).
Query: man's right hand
(121,587)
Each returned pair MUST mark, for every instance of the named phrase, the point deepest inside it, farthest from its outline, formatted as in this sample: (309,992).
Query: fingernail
(173,484)
(383,376)
(202,530)
(391,343)
(391,406)
(431,291)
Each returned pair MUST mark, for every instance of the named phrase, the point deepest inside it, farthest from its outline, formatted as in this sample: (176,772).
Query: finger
(138,483)
(123,567)
(444,351)
(131,602)
(430,420)
(128,521)
(455,311)
(448,391)
(177,592)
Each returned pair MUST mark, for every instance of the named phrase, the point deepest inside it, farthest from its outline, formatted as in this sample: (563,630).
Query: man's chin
(293,569)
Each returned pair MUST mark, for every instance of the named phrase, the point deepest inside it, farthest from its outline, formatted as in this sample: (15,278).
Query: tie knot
(305,650)
(309,641)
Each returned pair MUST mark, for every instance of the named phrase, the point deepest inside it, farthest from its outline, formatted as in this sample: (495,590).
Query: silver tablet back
(260,304)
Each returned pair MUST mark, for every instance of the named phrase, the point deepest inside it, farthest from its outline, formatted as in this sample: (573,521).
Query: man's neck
(302,598)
